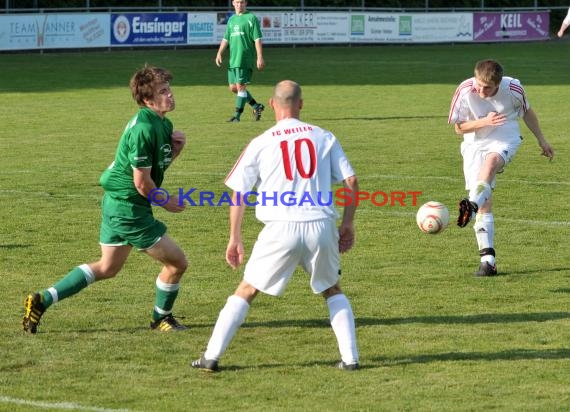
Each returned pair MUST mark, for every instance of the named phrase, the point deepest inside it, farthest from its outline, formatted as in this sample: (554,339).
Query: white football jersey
(292,166)
(509,100)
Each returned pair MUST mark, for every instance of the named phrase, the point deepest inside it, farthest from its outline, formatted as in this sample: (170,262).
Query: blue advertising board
(148,29)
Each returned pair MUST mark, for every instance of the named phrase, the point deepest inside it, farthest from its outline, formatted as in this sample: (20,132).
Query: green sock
(240,104)
(79,278)
(252,102)
(166,294)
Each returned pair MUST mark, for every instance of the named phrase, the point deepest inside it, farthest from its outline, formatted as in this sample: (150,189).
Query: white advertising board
(304,27)
(45,31)
(83,30)
(442,27)
(411,27)
(203,28)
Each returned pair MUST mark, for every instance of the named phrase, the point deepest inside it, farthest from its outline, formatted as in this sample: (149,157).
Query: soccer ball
(432,217)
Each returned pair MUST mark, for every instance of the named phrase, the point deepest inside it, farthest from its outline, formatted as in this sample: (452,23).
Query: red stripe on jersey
(236,164)
(519,93)
(516,87)
(463,88)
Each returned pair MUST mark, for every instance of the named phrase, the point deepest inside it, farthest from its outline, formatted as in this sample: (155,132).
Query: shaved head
(287,93)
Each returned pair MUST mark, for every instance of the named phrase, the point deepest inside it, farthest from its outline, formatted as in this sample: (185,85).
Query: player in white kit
(485,110)
(565,24)
(292,166)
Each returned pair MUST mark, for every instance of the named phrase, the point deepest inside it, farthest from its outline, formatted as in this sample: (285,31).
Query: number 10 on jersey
(304,171)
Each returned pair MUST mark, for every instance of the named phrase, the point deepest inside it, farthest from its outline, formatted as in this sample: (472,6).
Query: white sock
(342,322)
(484,228)
(480,193)
(229,320)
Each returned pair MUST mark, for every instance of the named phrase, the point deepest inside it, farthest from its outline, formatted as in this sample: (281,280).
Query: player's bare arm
(492,119)
(531,121)
(223,45)
(259,51)
(346,229)
(234,250)
(144,185)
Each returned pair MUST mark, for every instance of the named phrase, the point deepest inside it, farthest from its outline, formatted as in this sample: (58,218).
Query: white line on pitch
(452,179)
(57,405)
(46,194)
(499,219)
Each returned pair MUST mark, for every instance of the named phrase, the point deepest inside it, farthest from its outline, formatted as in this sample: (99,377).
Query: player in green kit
(243,35)
(146,149)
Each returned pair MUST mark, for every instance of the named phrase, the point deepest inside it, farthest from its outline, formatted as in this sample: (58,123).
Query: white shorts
(282,246)
(567,18)
(474,155)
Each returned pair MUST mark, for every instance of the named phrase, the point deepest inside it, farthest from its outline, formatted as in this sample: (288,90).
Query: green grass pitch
(431,336)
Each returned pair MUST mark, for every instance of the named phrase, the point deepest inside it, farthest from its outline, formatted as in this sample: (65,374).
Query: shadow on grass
(443,320)
(532,271)
(510,355)
(324,363)
(255,366)
(384,361)
(377,119)
(94,331)
(14,246)
(363,321)
(469,319)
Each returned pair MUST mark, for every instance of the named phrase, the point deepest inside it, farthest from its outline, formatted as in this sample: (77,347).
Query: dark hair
(144,82)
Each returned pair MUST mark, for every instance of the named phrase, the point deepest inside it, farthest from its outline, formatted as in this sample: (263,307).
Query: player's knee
(176,267)
(107,271)
(246,291)
(333,290)
(233,88)
(181,265)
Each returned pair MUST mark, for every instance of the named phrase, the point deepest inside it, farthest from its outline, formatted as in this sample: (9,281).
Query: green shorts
(140,229)
(239,76)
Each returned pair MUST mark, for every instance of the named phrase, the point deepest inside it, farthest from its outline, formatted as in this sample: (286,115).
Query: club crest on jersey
(166,149)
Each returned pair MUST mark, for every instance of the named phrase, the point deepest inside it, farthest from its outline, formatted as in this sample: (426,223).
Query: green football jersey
(146,143)
(241,33)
